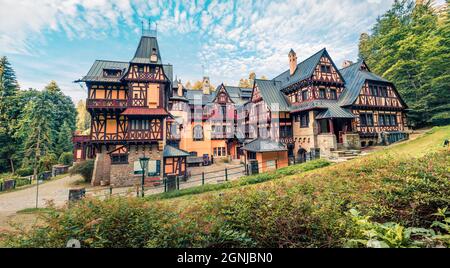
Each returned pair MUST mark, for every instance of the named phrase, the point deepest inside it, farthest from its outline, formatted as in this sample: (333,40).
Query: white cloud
(236,36)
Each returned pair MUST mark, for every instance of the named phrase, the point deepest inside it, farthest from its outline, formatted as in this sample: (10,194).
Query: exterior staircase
(341,155)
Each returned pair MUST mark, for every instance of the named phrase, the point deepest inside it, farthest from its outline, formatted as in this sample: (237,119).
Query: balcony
(106,104)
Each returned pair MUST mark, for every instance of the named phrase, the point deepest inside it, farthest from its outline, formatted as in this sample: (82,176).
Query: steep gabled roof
(355,79)
(335,111)
(238,95)
(145,50)
(95,74)
(270,91)
(168,71)
(305,69)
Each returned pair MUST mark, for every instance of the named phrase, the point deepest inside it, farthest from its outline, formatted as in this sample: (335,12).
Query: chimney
(292,61)
(180,88)
(346,63)
(206,86)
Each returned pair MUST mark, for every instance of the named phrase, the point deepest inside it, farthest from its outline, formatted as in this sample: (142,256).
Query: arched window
(198,133)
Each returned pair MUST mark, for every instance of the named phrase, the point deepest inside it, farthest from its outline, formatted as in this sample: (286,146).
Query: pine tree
(409,45)
(64,111)
(64,140)
(9,89)
(35,130)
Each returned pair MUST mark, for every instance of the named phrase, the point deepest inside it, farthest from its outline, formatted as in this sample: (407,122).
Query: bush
(66,159)
(85,169)
(24,172)
(303,210)
(46,162)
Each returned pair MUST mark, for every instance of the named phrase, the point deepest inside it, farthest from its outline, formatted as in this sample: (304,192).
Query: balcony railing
(106,103)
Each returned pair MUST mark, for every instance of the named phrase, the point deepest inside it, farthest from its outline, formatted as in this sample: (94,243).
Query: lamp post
(143,161)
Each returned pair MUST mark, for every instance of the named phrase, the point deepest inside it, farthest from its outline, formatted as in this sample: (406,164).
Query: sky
(226,40)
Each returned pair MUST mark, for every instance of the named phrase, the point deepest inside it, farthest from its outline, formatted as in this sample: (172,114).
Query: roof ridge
(114,61)
(358,61)
(315,54)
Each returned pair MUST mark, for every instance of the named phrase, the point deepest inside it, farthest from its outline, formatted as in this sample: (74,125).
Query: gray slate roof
(170,151)
(192,95)
(144,50)
(260,145)
(95,74)
(271,93)
(335,111)
(313,104)
(168,70)
(305,69)
(355,79)
(238,95)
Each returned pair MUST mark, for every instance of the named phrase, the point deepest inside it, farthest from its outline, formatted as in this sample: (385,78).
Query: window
(373,90)
(119,159)
(322,93)
(198,133)
(220,151)
(394,120)
(153,168)
(305,95)
(381,119)
(111,73)
(383,92)
(366,120)
(325,69)
(140,125)
(333,94)
(304,120)
(140,69)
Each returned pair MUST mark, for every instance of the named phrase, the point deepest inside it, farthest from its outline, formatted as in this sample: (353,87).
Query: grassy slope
(430,141)
(402,183)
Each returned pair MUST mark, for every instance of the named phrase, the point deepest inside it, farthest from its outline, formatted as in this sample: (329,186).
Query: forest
(36,126)
(410,46)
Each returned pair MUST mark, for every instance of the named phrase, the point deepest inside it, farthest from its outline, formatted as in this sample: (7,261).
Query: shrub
(85,169)
(66,158)
(46,162)
(25,171)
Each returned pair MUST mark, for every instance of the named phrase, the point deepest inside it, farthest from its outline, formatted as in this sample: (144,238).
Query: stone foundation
(102,169)
(351,141)
(123,174)
(326,143)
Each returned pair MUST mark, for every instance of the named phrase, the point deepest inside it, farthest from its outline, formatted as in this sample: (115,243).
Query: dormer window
(111,73)
(154,56)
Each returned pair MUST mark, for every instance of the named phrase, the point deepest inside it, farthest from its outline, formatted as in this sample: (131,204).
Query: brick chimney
(180,88)
(292,61)
(346,63)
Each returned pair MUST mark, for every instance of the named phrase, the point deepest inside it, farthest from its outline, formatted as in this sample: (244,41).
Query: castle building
(311,109)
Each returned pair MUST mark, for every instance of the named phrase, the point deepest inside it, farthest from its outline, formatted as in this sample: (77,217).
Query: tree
(64,140)
(83,118)
(188,85)
(35,130)
(9,88)
(409,45)
(64,111)
(197,85)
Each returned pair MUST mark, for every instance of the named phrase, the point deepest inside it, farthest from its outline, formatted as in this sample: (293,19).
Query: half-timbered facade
(315,108)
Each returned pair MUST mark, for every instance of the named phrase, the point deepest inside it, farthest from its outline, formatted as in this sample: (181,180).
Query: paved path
(57,190)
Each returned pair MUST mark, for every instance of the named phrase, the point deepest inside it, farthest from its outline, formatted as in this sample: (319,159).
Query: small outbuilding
(269,154)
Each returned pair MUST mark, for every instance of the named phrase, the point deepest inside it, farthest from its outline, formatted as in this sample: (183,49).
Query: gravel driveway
(57,190)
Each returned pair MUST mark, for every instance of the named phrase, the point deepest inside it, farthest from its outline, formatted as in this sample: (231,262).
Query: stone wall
(123,174)
(351,141)
(326,143)
(102,169)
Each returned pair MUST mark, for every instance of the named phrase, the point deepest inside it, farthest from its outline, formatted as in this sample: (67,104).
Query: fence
(11,184)
(167,184)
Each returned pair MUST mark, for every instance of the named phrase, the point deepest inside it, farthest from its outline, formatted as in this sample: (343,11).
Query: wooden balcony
(106,104)
(144,135)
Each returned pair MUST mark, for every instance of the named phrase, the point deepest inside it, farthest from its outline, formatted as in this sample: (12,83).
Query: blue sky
(59,40)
